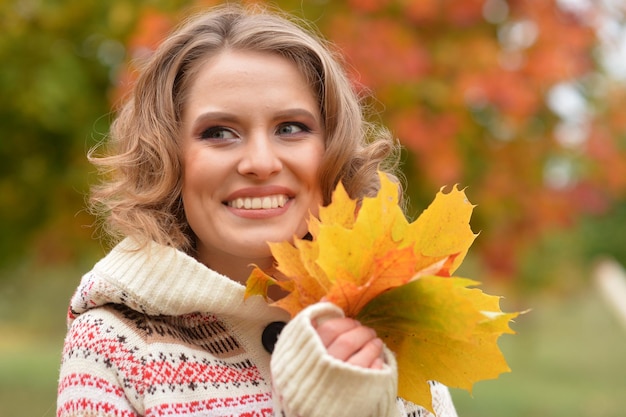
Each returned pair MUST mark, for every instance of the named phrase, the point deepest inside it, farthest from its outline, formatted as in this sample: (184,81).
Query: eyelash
(207,133)
(304,128)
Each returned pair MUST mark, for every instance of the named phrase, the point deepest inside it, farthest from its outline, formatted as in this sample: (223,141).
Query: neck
(236,268)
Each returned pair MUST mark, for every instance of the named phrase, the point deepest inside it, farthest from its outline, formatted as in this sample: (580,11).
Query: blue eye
(218,132)
(291,128)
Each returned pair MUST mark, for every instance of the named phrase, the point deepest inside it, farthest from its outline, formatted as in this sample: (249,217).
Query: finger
(330,329)
(349,343)
(369,356)
(378,363)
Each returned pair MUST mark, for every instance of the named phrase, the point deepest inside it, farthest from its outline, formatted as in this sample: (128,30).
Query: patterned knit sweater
(153,332)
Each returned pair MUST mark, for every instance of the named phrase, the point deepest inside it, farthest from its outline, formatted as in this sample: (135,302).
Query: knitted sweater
(153,332)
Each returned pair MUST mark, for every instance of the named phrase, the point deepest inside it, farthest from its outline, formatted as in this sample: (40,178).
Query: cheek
(198,181)
(311,165)
(190,179)
(201,168)
(314,159)
(317,168)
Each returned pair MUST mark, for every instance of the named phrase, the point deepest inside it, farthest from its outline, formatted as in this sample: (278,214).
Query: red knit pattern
(181,378)
(198,407)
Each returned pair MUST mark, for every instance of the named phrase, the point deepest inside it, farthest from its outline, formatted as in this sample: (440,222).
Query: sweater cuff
(309,382)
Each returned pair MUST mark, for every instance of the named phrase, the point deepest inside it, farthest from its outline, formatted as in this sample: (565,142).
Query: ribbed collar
(161,280)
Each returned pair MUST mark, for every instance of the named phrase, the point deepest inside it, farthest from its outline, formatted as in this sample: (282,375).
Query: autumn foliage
(352,258)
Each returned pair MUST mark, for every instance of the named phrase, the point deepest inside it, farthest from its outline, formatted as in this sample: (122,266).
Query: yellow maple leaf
(394,276)
(439,331)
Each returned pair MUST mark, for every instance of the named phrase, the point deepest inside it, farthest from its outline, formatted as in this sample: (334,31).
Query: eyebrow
(231,117)
(214,115)
(295,112)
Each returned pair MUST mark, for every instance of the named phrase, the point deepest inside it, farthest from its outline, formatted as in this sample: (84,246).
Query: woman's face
(252,143)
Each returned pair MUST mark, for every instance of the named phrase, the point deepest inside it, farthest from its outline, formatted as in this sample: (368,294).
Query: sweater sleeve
(308,382)
(93,379)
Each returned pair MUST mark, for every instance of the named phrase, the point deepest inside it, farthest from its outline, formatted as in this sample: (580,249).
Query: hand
(348,340)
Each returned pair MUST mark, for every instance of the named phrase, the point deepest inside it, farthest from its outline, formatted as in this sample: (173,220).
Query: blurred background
(520,101)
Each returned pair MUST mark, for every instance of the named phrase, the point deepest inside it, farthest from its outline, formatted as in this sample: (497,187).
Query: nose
(260,158)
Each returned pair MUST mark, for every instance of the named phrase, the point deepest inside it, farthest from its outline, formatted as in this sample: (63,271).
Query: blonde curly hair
(140,194)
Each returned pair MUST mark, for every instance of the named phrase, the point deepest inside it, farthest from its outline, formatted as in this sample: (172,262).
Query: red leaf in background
(423,11)
(463,13)
(384,37)
(432,139)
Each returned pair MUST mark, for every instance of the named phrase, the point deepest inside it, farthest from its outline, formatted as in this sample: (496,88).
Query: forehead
(234,77)
(243,64)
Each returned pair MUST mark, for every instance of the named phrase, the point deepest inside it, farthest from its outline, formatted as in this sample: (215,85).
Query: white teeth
(256,203)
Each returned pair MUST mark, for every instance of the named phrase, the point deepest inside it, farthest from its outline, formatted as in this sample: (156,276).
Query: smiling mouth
(259,203)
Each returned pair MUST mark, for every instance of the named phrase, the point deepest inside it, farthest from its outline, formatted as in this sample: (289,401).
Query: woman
(240,125)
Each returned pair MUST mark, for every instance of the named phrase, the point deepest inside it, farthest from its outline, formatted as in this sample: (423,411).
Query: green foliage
(54,81)
(604,235)
(60,59)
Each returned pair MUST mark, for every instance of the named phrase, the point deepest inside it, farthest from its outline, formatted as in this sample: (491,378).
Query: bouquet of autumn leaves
(396,277)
